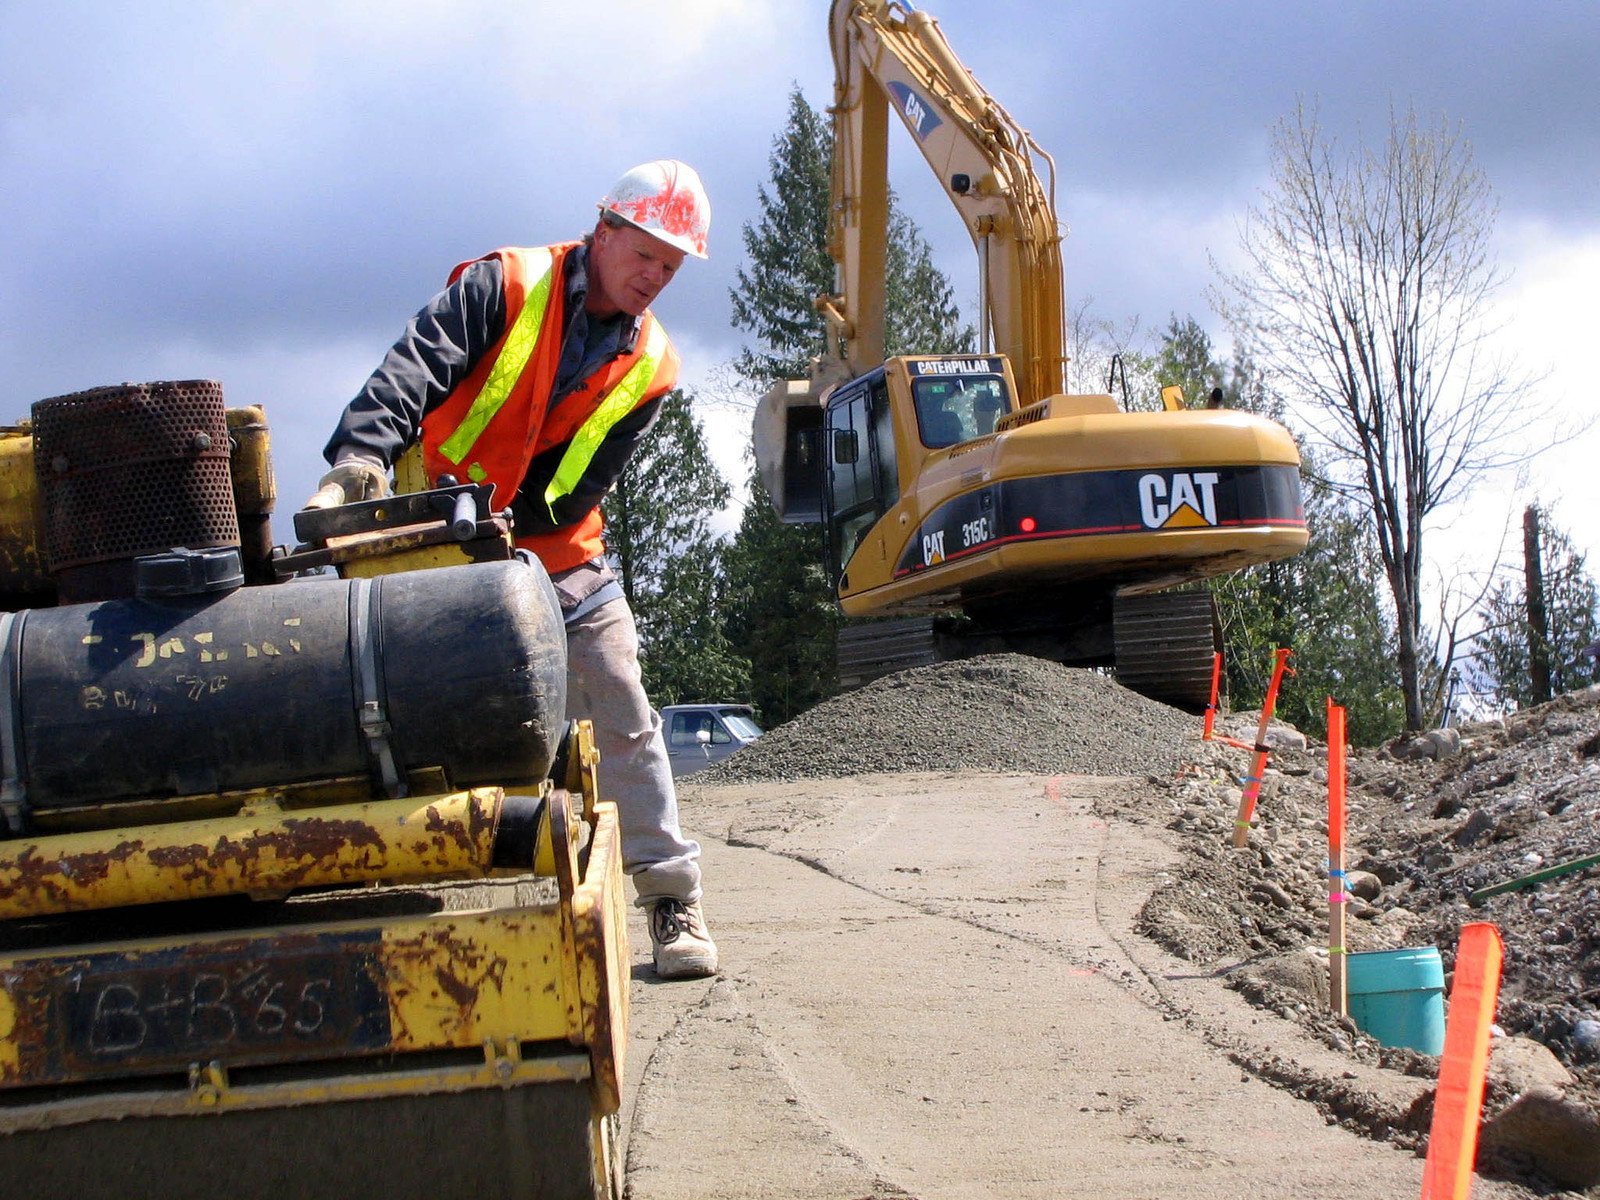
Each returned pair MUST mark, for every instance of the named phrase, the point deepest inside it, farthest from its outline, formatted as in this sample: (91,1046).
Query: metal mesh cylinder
(133,469)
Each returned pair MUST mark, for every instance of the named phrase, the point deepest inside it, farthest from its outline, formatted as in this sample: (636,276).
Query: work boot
(683,948)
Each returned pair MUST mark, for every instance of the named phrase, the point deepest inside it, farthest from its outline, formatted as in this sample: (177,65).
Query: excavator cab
(879,431)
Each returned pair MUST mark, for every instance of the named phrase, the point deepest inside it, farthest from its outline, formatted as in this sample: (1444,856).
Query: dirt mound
(1431,821)
(1520,796)
(1004,712)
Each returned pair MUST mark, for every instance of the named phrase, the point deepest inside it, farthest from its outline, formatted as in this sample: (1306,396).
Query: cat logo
(918,113)
(933,548)
(1181,501)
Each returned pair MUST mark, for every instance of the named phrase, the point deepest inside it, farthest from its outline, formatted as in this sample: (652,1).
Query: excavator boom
(889,57)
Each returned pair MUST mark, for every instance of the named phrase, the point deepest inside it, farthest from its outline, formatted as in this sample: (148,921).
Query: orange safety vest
(497,420)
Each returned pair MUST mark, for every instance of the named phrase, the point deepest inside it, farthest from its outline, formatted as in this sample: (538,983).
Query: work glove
(354,477)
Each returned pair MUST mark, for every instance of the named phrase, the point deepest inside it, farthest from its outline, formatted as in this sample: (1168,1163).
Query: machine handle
(464,517)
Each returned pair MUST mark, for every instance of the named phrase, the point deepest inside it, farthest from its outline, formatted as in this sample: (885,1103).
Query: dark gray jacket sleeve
(438,349)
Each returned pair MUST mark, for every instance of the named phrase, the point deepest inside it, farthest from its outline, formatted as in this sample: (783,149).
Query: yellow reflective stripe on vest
(624,398)
(514,356)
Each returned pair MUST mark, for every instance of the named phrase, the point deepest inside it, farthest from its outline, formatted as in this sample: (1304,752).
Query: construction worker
(540,371)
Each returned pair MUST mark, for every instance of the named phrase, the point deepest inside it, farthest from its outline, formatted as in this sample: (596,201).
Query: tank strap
(373,716)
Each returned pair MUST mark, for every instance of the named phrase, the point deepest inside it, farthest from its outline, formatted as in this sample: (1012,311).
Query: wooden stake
(1338,889)
(1252,785)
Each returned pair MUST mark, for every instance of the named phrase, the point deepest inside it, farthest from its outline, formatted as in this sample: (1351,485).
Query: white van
(700,734)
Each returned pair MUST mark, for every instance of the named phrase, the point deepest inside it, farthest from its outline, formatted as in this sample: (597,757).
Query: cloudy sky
(263,193)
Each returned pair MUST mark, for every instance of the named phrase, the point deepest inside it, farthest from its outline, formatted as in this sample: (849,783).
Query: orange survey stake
(1252,785)
(1458,1102)
(1338,892)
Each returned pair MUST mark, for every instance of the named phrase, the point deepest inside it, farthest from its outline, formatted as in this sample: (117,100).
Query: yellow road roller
(306,885)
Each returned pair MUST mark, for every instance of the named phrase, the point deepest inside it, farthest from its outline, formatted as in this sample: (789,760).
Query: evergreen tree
(783,614)
(1324,603)
(789,266)
(658,527)
(781,610)
(922,316)
(1504,651)
(787,250)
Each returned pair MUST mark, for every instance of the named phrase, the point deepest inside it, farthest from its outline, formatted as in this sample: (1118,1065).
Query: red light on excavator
(1028,524)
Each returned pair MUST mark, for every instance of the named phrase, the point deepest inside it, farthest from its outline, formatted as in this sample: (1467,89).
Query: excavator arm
(890,57)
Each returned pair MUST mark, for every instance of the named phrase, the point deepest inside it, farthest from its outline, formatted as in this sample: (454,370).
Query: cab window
(958,408)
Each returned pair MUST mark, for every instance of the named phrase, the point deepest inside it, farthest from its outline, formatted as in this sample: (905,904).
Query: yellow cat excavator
(968,495)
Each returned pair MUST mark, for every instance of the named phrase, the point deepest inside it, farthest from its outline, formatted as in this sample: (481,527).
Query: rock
(1273,894)
(1363,883)
(1448,806)
(1586,1039)
(1285,737)
(1545,1128)
(1301,972)
(1476,731)
(1397,918)
(1385,869)
(1280,734)
(1446,743)
(1522,1063)
(1436,744)
(1473,828)
(1412,749)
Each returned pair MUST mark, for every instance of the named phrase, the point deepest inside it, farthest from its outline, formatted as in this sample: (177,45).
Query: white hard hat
(666,199)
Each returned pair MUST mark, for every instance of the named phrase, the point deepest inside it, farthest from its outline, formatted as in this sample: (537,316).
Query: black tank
(460,668)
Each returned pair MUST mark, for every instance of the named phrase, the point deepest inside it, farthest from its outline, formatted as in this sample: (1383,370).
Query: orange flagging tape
(1458,1102)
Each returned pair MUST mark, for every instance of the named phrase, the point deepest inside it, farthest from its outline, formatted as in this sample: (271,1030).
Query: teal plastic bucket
(1398,997)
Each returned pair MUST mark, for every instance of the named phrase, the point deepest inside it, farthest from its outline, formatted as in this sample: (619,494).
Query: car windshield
(741,724)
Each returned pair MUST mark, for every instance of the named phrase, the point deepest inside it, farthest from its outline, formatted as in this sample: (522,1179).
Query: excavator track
(1166,645)
(1162,645)
(869,650)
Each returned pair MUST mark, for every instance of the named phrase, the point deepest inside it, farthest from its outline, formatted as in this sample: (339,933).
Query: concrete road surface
(931,988)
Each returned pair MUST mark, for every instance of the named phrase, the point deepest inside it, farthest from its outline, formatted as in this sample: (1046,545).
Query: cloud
(264,193)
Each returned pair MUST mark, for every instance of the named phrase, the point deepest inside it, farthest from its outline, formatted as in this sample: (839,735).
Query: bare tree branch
(1367,296)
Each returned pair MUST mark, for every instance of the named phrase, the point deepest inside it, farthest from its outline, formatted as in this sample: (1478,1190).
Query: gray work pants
(603,686)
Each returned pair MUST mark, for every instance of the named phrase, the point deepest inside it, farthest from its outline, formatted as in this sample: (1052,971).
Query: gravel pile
(1002,712)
